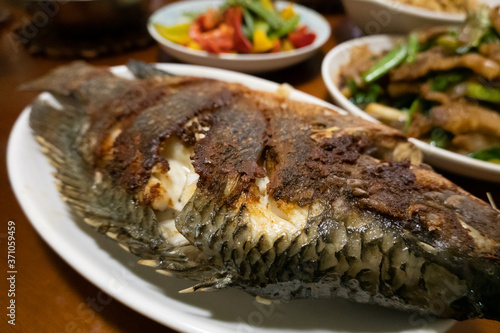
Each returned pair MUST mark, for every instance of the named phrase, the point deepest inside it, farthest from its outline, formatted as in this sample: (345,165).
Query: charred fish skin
(291,200)
(63,132)
(96,200)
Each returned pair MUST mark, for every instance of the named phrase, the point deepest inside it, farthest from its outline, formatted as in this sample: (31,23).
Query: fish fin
(142,70)
(63,80)
(57,124)
(93,86)
(213,284)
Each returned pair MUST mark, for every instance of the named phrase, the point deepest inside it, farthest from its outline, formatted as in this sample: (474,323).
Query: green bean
(288,26)
(249,26)
(273,19)
(391,60)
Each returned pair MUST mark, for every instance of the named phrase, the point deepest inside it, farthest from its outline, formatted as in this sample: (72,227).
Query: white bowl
(248,63)
(392,17)
(440,158)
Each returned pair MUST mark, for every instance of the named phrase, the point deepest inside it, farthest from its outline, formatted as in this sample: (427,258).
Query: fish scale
(368,271)
(367,261)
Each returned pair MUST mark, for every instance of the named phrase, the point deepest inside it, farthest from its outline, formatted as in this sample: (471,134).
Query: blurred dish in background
(394,17)
(84,28)
(448,6)
(240,26)
(167,19)
(89,16)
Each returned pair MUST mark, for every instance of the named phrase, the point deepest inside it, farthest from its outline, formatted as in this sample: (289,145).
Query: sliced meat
(468,143)
(396,89)
(437,59)
(461,116)
(431,95)
(419,125)
(495,18)
(491,51)
(431,33)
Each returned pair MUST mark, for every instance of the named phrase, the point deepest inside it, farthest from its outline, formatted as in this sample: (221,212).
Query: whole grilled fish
(230,187)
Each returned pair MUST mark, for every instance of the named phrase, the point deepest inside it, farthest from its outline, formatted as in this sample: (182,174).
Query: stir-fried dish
(441,85)
(449,6)
(241,26)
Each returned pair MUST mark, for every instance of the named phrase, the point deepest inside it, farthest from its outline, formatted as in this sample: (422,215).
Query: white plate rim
(445,17)
(74,255)
(342,51)
(321,36)
(421,12)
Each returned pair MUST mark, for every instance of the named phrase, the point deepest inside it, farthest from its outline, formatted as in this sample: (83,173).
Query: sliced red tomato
(233,18)
(301,37)
(216,40)
(210,19)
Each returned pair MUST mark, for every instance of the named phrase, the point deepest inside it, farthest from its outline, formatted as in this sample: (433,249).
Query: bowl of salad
(440,86)
(243,35)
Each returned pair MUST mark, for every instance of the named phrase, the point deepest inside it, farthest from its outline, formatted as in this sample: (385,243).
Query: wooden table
(50,295)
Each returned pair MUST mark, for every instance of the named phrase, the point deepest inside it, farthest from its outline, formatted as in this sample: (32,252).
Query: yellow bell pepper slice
(261,43)
(178,33)
(286,45)
(193,45)
(288,12)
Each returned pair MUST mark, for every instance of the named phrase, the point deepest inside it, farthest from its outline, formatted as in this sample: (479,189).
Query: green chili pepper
(482,93)
(391,60)
(413,46)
